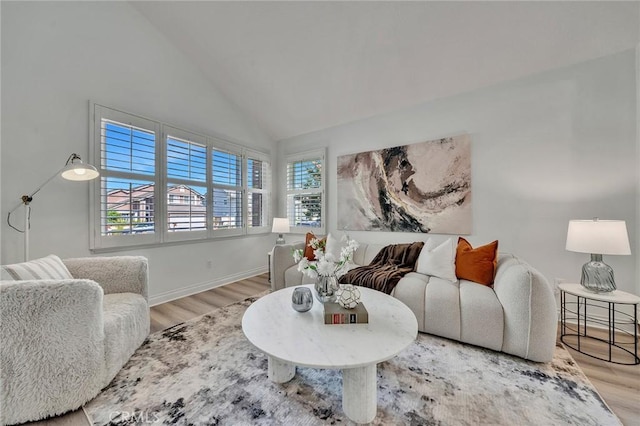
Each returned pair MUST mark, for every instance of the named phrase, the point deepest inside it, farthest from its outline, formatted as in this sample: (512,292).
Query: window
(186,187)
(160,184)
(258,177)
(126,149)
(305,191)
(227,191)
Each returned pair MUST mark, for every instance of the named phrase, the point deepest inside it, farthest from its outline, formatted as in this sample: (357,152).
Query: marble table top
(615,296)
(302,338)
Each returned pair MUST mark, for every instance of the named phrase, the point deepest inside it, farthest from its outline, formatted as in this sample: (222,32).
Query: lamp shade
(280,225)
(598,237)
(79,171)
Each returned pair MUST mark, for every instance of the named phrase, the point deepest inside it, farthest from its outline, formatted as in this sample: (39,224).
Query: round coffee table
(291,338)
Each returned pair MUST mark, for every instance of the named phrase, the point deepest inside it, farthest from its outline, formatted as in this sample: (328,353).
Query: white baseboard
(168,296)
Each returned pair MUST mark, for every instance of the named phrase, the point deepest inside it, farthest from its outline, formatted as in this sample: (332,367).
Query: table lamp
(74,169)
(280,226)
(598,237)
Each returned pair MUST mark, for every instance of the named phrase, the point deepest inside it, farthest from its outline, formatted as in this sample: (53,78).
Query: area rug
(205,372)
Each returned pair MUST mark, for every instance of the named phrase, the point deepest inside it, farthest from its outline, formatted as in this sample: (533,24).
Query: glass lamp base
(597,276)
(280,240)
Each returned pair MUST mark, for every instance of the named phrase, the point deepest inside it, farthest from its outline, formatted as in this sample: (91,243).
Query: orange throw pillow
(308,250)
(476,264)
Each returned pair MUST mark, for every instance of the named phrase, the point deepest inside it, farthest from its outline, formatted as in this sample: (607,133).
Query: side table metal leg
(612,327)
(562,314)
(360,393)
(635,333)
(578,310)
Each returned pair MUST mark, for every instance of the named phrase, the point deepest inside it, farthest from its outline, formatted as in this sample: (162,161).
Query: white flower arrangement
(325,264)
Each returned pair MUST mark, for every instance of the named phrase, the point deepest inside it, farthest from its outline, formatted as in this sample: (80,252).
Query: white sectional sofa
(517,316)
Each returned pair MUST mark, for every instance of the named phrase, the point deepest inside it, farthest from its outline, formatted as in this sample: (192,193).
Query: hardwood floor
(619,385)
(171,313)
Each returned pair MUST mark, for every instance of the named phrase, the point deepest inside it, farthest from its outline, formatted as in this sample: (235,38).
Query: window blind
(127,207)
(258,181)
(127,204)
(186,191)
(186,159)
(126,148)
(226,169)
(305,191)
(304,174)
(159,183)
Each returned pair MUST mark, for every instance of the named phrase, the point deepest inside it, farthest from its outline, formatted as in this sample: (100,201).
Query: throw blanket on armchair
(386,269)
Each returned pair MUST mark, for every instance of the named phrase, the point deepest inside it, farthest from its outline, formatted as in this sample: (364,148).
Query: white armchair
(64,339)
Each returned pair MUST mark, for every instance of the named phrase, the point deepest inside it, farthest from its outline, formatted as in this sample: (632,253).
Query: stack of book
(336,314)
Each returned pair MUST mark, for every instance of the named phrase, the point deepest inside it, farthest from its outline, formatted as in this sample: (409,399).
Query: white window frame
(179,134)
(306,156)
(160,180)
(97,240)
(266,191)
(222,146)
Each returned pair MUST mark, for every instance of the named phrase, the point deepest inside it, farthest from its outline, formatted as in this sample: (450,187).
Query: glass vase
(326,287)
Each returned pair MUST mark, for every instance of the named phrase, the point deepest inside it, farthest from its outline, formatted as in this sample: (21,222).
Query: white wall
(545,149)
(638,162)
(56,56)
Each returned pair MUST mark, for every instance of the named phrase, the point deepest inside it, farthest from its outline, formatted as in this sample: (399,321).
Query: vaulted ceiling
(296,67)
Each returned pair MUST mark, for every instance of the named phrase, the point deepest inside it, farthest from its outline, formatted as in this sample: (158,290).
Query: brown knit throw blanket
(386,269)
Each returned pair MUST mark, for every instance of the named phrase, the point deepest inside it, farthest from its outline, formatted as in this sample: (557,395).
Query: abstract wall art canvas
(422,187)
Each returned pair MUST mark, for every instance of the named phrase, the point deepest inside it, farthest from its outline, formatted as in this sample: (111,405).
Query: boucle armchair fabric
(118,274)
(126,325)
(52,347)
(64,340)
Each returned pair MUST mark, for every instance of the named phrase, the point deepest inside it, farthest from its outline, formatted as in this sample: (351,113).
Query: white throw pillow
(333,247)
(438,260)
(45,268)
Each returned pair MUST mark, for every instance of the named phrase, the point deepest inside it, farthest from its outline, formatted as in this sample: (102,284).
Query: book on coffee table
(336,314)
